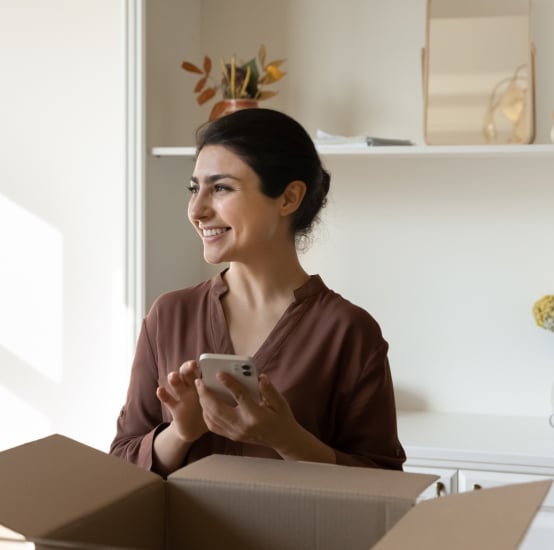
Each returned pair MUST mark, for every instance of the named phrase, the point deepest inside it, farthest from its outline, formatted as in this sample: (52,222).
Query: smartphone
(241,367)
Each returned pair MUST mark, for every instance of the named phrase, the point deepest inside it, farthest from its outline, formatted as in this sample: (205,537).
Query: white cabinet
(473,452)
(447,484)
(540,535)
(469,480)
(541,532)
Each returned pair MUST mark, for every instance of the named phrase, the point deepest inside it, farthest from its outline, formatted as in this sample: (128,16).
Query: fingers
(212,408)
(183,379)
(201,388)
(251,421)
(238,390)
(189,371)
(269,393)
(166,398)
(172,393)
(208,398)
(179,383)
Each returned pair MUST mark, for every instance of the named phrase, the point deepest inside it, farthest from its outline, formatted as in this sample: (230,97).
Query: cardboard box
(490,519)
(56,488)
(249,504)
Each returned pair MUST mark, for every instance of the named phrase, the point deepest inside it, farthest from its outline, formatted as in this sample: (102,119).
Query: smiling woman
(324,379)
(231,214)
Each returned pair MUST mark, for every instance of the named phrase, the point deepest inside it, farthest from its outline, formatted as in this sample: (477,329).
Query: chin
(214,260)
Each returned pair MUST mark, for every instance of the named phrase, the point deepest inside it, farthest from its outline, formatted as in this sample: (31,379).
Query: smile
(212,232)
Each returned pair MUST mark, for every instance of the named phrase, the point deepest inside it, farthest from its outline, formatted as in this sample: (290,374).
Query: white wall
(63,320)
(449,255)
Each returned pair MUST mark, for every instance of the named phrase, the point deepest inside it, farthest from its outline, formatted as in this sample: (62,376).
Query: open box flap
(276,504)
(305,476)
(496,518)
(50,485)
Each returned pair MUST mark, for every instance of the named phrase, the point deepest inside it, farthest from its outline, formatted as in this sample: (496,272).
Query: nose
(199,207)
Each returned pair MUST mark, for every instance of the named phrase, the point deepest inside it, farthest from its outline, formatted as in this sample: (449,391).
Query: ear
(292,197)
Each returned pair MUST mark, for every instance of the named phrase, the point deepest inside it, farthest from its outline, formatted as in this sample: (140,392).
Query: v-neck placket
(221,337)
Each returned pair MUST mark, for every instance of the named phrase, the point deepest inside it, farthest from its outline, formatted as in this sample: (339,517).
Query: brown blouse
(325,355)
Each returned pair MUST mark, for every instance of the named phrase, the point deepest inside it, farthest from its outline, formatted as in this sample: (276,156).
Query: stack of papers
(324,138)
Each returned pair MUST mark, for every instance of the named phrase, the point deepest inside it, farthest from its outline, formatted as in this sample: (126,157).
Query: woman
(325,385)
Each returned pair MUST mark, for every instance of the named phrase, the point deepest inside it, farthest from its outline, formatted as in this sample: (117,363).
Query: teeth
(213,232)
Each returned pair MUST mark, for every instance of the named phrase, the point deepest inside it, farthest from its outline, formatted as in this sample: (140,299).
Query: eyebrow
(213,178)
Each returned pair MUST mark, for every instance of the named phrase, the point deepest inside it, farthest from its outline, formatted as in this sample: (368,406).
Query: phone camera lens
(246,370)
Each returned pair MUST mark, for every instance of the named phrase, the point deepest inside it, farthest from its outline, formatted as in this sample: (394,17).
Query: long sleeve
(141,416)
(367,435)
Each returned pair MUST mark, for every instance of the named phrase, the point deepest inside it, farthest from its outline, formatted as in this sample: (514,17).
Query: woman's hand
(259,422)
(181,398)
(267,422)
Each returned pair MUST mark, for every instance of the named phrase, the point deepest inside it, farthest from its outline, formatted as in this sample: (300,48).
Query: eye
(219,187)
(193,188)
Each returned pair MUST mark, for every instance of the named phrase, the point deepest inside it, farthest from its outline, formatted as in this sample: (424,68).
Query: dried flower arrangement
(239,80)
(543,311)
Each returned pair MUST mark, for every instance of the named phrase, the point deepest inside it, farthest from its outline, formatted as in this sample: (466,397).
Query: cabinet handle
(476,486)
(441,489)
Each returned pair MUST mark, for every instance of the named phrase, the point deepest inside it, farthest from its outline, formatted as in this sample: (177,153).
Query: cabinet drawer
(446,485)
(472,479)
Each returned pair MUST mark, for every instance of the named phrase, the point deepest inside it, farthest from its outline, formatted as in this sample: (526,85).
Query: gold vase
(232,105)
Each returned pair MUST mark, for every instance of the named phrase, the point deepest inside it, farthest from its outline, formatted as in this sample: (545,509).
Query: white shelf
(427,151)
(173,151)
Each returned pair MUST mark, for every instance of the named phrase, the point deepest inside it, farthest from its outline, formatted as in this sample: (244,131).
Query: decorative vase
(232,105)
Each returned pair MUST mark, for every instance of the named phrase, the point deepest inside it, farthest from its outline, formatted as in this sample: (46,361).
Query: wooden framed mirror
(478,72)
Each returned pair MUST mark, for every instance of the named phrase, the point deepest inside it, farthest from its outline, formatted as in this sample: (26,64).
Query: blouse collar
(312,286)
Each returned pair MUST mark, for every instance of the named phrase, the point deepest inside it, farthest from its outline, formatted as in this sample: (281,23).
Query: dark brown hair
(279,150)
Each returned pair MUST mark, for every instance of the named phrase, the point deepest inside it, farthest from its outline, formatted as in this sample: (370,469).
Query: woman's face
(234,219)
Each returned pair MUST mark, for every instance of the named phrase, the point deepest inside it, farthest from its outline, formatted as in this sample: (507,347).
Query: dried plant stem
(224,70)
(246,81)
(233,77)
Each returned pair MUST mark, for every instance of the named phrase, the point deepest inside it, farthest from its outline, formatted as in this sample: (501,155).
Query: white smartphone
(241,367)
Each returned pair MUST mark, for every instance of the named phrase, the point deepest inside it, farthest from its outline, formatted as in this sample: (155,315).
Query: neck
(263,282)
